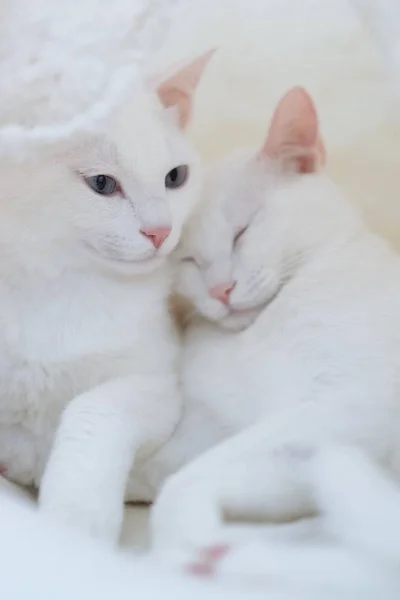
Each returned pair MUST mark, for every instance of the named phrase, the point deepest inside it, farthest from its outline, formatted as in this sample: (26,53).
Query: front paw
(208,560)
(92,516)
(185,518)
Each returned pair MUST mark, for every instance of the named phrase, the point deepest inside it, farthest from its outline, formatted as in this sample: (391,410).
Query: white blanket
(65,66)
(352,552)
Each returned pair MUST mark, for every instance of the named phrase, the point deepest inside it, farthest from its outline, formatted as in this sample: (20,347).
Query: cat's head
(118,199)
(245,239)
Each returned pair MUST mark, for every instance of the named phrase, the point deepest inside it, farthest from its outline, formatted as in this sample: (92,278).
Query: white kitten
(280,246)
(84,284)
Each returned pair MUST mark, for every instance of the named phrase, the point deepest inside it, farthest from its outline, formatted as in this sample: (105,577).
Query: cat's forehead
(141,140)
(234,190)
(236,186)
(208,233)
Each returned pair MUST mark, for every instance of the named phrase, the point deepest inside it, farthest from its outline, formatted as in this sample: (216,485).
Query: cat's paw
(314,570)
(185,517)
(207,561)
(246,562)
(93,517)
(95,524)
(240,562)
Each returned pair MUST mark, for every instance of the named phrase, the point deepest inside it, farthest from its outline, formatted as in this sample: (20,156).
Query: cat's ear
(176,92)
(294,137)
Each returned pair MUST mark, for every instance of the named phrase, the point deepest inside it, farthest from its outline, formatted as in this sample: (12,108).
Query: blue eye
(103,184)
(177,177)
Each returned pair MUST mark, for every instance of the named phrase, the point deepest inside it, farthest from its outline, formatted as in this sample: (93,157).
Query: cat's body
(76,333)
(227,367)
(85,329)
(319,364)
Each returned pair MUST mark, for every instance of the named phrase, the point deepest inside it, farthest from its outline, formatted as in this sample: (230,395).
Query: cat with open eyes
(84,282)
(294,341)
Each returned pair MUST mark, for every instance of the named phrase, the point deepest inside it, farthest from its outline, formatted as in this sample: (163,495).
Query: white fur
(64,72)
(359,557)
(40,560)
(352,494)
(318,364)
(84,313)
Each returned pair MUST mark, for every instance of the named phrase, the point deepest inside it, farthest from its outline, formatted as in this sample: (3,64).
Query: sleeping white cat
(84,284)
(279,249)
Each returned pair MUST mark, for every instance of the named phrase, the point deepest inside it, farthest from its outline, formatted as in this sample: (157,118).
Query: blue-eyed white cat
(84,282)
(279,249)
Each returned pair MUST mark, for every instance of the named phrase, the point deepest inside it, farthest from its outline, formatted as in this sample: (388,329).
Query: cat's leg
(360,502)
(261,474)
(360,505)
(95,446)
(312,568)
(243,477)
(360,555)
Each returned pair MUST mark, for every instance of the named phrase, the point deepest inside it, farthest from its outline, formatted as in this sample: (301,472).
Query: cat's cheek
(254,290)
(120,249)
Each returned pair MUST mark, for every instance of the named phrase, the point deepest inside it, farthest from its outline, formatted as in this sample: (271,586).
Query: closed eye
(191,260)
(239,235)
(188,259)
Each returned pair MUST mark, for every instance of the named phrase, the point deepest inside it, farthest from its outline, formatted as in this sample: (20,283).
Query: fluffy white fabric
(355,558)
(64,66)
(40,561)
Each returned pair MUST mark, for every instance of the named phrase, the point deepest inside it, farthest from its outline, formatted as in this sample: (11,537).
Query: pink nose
(157,235)
(221,292)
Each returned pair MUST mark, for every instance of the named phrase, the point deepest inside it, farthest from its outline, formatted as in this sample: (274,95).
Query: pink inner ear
(293,136)
(178,90)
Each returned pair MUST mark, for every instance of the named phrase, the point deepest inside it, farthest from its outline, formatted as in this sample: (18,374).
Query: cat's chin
(238,320)
(130,268)
(229,317)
